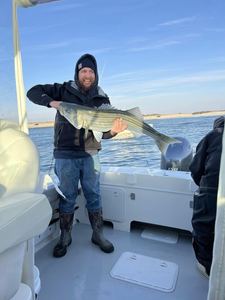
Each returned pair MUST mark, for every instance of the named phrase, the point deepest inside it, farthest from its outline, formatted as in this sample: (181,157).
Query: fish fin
(97,135)
(86,132)
(80,121)
(106,106)
(136,112)
(164,144)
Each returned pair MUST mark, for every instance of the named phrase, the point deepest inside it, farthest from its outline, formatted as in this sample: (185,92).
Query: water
(133,152)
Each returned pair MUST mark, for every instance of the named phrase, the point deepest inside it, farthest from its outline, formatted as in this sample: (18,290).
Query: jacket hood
(219,122)
(91,57)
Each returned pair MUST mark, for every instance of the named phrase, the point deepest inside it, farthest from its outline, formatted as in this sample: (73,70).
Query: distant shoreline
(147,117)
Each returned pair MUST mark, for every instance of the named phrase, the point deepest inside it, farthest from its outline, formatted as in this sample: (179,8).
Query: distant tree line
(194,113)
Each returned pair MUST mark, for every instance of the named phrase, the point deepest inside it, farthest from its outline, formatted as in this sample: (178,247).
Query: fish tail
(162,146)
(165,142)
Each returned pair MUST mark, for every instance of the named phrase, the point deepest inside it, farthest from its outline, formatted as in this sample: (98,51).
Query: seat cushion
(19,161)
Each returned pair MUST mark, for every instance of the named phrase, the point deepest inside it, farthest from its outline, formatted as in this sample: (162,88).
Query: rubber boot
(96,221)
(66,224)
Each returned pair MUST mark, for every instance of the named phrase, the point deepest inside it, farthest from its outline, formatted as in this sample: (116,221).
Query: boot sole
(63,253)
(60,255)
(108,250)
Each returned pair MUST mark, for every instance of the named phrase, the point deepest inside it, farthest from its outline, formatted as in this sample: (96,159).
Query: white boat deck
(84,273)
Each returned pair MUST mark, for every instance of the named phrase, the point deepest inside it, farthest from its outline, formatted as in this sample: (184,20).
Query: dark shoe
(98,238)
(66,224)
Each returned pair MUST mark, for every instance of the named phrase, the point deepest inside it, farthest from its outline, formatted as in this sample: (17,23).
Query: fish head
(73,115)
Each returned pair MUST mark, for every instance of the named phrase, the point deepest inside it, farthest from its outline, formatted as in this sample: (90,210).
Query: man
(204,169)
(76,156)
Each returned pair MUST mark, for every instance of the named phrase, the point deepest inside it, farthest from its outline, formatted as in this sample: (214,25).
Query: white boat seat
(23,213)
(22,217)
(19,161)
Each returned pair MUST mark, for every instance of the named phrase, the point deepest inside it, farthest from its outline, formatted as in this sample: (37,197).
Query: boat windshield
(8,102)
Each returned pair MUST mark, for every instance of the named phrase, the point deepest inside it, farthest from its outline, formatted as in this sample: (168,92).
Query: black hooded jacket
(205,165)
(66,136)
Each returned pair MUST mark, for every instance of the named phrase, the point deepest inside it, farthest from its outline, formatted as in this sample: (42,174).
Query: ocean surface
(132,152)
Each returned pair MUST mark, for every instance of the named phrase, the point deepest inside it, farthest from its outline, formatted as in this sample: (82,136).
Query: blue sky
(165,56)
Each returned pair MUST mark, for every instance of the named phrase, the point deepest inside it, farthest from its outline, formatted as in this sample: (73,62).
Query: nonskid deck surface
(84,273)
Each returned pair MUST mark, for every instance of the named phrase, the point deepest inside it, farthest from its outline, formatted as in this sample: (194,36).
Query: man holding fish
(84,117)
(76,149)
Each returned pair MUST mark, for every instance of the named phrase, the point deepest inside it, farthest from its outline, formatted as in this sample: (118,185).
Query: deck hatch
(146,271)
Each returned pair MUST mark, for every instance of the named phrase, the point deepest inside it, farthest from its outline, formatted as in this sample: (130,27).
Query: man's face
(86,78)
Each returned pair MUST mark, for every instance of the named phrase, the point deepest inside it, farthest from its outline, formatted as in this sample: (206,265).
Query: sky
(164,56)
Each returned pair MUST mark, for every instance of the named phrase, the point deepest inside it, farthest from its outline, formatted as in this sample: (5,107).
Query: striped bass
(101,120)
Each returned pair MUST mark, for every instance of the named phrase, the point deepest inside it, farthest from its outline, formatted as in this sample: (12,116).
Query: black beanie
(86,63)
(219,122)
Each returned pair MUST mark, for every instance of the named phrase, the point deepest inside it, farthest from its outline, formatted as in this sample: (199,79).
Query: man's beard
(83,89)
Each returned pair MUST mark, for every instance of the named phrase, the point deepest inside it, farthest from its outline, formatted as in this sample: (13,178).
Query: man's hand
(55,104)
(118,126)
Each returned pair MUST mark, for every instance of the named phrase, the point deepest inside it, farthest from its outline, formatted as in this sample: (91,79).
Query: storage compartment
(113,204)
(144,195)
